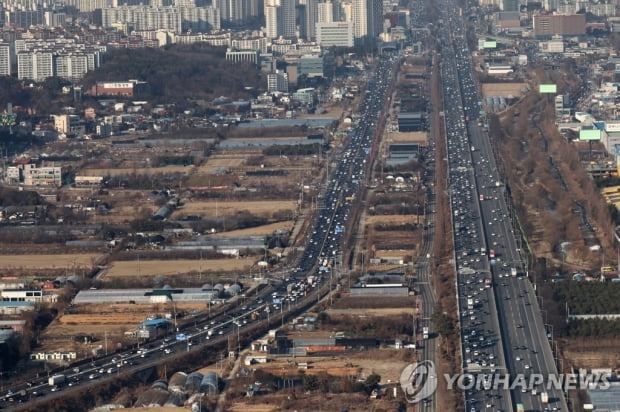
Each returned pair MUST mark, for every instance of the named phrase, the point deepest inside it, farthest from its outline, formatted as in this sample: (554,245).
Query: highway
(424,265)
(501,326)
(345,183)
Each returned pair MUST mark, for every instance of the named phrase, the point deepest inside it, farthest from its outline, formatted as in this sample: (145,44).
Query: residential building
(38,59)
(252,43)
(71,67)
(23,18)
(367,16)
(325,12)
(36,66)
(5,59)
(272,20)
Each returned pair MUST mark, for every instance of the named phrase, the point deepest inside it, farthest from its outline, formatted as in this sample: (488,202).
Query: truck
(491,253)
(470,303)
(513,272)
(520,407)
(473,149)
(487,283)
(425,332)
(56,380)
(544,398)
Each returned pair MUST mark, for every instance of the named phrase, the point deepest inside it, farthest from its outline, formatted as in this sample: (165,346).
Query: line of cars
(118,363)
(347,178)
(480,338)
(524,350)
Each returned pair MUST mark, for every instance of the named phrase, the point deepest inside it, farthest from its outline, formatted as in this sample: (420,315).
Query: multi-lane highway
(480,338)
(501,326)
(348,178)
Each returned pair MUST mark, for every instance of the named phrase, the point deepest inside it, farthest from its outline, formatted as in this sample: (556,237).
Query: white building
(5,59)
(36,66)
(272,22)
(325,12)
(71,67)
(27,295)
(277,82)
(367,17)
(339,34)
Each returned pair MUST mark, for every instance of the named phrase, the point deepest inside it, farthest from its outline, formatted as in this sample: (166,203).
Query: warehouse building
(410,122)
(145,296)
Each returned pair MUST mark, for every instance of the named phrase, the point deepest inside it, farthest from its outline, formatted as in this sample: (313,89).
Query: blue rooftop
(155,322)
(13,304)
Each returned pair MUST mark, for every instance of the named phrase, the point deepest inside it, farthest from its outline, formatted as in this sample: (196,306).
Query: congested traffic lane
(519,328)
(347,180)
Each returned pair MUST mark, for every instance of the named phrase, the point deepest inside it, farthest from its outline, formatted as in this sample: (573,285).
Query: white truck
(470,303)
(56,380)
(513,272)
(425,332)
(544,398)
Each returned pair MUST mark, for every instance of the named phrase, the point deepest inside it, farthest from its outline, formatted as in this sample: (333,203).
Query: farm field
(393,219)
(259,230)
(386,362)
(371,312)
(503,89)
(174,267)
(112,320)
(34,261)
(229,208)
(136,170)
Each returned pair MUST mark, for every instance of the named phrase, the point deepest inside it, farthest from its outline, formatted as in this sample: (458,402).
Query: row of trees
(594,327)
(588,298)
(530,148)
(380,327)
